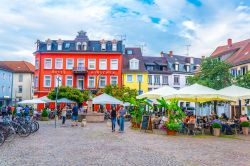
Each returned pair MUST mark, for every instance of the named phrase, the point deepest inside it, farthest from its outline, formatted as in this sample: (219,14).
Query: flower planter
(171,132)
(216,132)
(44,118)
(245,130)
(136,125)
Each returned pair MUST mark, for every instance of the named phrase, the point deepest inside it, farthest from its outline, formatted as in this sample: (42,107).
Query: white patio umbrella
(33,101)
(106,99)
(236,92)
(198,93)
(158,93)
(46,99)
(65,100)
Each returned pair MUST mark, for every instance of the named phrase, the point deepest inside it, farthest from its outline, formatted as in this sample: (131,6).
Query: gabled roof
(17,66)
(239,52)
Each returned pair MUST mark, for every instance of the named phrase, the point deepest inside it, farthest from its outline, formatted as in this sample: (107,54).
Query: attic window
(134,64)
(129,52)
(67,45)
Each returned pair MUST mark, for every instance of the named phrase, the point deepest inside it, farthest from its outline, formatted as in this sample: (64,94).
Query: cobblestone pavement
(97,145)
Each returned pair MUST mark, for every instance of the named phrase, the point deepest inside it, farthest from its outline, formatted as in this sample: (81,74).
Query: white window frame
(89,64)
(114,67)
(37,64)
(134,64)
(94,82)
(50,67)
(141,77)
(44,81)
(56,63)
(188,68)
(82,78)
(82,59)
(103,46)
(66,80)
(131,77)
(156,76)
(165,83)
(60,82)
(114,46)
(100,81)
(100,66)
(20,87)
(20,76)
(36,81)
(49,46)
(176,67)
(111,80)
(67,67)
(174,79)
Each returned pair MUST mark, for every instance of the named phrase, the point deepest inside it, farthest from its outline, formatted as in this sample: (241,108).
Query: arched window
(134,64)
(78,46)
(84,46)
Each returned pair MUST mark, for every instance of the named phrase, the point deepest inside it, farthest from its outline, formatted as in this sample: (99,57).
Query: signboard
(101,72)
(146,123)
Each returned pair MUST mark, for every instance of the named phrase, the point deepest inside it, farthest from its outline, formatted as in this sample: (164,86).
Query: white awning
(158,93)
(236,92)
(106,99)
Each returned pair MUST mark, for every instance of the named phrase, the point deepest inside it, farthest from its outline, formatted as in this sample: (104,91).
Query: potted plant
(216,129)
(245,126)
(45,115)
(174,113)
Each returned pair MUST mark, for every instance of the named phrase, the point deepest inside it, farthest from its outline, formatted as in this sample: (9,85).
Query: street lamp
(57,89)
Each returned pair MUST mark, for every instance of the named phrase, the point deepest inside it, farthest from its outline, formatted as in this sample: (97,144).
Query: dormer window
(191,60)
(187,67)
(49,42)
(84,46)
(134,64)
(130,52)
(78,46)
(103,45)
(59,43)
(114,45)
(176,66)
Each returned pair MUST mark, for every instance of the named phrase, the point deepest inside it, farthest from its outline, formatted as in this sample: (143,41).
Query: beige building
(23,79)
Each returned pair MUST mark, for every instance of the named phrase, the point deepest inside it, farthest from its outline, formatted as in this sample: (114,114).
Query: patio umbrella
(46,99)
(236,92)
(158,93)
(198,93)
(106,99)
(65,100)
(33,101)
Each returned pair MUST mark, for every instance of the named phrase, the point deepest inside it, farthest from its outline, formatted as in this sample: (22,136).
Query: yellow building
(134,74)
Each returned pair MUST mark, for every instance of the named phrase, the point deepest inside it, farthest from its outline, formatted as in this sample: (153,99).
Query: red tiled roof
(240,52)
(18,66)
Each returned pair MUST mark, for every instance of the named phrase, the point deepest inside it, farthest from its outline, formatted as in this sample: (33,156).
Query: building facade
(23,79)
(170,69)
(134,74)
(80,63)
(6,81)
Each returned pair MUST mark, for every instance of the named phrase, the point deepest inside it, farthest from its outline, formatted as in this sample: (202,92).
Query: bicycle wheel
(37,125)
(11,134)
(23,131)
(2,139)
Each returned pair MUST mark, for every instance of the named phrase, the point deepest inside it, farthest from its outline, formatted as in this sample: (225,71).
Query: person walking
(4,111)
(75,115)
(64,111)
(113,118)
(122,113)
(27,113)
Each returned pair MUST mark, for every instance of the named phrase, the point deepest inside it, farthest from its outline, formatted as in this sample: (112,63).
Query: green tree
(69,93)
(213,73)
(243,80)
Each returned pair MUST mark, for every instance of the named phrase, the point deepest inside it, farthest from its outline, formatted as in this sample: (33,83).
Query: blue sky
(157,25)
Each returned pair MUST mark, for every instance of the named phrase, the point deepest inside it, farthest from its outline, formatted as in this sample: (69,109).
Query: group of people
(25,111)
(119,117)
(75,110)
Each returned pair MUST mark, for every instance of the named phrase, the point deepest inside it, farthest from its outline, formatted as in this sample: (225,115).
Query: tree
(213,73)
(69,93)
(243,80)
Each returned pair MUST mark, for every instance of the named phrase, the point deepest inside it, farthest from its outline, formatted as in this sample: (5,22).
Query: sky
(154,25)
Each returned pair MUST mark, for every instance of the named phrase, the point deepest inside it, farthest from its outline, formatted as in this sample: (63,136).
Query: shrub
(45,113)
(244,124)
(173,126)
(216,125)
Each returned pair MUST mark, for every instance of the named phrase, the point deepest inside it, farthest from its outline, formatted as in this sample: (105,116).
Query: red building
(80,63)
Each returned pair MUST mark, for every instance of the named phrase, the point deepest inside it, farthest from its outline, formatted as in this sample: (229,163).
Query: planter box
(245,130)
(171,132)
(44,118)
(216,132)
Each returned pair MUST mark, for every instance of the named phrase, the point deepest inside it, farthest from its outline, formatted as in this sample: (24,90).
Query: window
(36,82)
(188,68)
(139,78)
(47,63)
(91,81)
(47,81)
(58,81)
(59,46)
(243,70)
(150,68)
(59,64)
(114,64)
(80,63)
(84,46)
(114,47)
(37,64)
(165,80)
(113,80)
(69,63)
(69,81)
(129,52)
(20,89)
(20,78)
(234,72)
(129,78)
(176,67)
(67,45)
(78,46)
(150,79)
(91,64)
(157,80)
(103,64)
(48,46)
(102,82)
(134,64)
(186,80)
(80,84)
(176,80)
(103,46)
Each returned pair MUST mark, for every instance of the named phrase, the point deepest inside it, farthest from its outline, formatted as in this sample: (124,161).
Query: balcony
(80,70)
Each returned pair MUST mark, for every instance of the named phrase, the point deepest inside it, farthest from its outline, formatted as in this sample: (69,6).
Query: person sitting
(223,117)
(243,118)
(191,125)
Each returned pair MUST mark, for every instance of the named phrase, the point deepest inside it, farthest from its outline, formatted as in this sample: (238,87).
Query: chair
(190,128)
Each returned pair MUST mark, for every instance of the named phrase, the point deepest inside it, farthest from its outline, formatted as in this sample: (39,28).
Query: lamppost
(57,89)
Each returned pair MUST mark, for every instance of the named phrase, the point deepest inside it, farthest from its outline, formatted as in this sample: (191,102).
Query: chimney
(171,53)
(162,53)
(229,42)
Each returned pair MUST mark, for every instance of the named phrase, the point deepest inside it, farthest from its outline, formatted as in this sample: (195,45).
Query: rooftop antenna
(122,37)
(188,45)
(142,46)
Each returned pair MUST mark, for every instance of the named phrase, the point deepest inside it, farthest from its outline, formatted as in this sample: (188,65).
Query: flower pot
(44,118)
(171,132)
(216,132)
(245,130)
(136,125)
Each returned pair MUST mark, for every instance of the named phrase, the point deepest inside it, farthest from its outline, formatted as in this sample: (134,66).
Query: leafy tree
(213,73)
(244,80)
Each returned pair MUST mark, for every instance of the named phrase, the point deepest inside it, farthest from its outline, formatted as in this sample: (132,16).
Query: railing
(80,70)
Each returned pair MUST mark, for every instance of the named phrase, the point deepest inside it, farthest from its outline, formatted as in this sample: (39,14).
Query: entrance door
(80,83)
